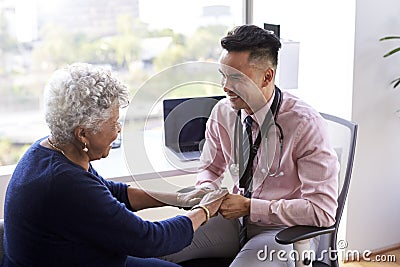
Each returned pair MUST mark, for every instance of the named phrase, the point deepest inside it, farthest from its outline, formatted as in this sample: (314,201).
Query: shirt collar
(260,114)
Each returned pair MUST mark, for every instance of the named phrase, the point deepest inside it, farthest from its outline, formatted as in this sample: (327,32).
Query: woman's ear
(80,134)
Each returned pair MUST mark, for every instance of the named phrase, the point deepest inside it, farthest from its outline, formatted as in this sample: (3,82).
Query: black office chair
(343,135)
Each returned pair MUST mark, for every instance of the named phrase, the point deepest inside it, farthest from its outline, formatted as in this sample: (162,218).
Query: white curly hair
(81,94)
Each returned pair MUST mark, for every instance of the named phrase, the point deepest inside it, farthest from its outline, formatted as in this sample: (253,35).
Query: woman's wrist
(205,210)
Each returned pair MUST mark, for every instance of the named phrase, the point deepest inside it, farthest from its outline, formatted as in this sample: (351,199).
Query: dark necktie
(246,179)
(248,156)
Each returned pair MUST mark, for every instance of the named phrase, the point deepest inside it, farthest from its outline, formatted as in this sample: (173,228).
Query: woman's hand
(192,198)
(212,200)
(207,207)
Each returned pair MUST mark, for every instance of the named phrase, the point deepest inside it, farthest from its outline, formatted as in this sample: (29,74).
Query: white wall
(374,200)
(325,30)
(342,72)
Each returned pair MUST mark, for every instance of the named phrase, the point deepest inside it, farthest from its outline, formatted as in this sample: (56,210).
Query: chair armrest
(297,233)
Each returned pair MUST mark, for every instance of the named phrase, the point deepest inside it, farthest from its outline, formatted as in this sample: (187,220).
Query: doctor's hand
(234,206)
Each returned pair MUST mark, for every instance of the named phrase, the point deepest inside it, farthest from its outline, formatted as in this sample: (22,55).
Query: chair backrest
(343,135)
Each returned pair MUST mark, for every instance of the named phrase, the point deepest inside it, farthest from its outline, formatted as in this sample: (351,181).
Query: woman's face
(99,143)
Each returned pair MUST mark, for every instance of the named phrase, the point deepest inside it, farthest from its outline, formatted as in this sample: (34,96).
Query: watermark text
(307,256)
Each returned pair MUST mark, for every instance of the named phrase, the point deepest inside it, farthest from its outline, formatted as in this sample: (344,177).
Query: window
(134,38)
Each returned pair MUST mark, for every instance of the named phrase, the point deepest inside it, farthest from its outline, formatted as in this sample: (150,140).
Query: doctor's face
(242,81)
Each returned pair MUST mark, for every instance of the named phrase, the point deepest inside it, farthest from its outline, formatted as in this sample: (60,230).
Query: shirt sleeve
(212,160)
(317,170)
(86,210)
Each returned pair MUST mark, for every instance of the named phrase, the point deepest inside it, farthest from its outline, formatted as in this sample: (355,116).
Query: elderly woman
(60,212)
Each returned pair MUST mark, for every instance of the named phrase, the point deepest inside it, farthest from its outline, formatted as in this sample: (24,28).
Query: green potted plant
(395,82)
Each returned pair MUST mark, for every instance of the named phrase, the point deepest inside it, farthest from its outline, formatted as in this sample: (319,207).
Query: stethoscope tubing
(238,165)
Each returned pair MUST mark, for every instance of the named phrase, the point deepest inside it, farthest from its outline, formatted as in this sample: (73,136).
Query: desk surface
(142,159)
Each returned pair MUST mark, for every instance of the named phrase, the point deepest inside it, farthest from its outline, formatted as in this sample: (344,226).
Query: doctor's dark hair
(262,44)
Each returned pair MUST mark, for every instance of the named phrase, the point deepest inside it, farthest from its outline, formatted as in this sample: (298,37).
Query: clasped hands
(230,206)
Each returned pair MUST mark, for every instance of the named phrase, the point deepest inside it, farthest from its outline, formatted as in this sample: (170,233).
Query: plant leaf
(392,52)
(389,38)
(396,82)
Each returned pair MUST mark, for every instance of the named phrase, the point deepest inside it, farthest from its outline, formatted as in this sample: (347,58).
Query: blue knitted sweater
(58,214)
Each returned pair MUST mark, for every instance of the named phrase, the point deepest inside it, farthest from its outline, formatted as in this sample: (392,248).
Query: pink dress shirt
(304,190)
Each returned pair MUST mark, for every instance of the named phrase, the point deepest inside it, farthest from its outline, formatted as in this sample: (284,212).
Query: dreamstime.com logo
(339,254)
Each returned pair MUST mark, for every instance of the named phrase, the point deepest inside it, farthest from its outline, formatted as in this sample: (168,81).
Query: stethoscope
(238,164)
